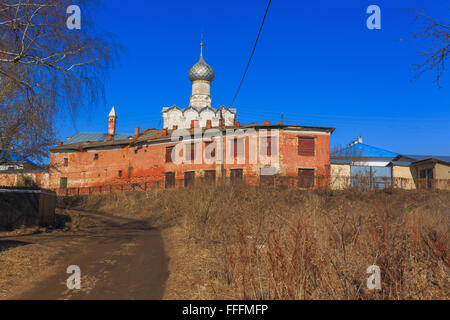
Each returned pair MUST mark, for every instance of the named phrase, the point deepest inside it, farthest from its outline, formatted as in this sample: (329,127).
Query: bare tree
(45,68)
(435,33)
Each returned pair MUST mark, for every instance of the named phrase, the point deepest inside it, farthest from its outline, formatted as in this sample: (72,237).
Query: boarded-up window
(265,177)
(63,183)
(66,162)
(238,147)
(306,146)
(210,176)
(236,175)
(210,149)
(96,156)
(189,177)
(120,174)
(306,178)
(266,146)
(169,154)
(169,179)
(190,152)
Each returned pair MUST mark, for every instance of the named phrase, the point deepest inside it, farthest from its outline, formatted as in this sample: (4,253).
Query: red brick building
(250,152)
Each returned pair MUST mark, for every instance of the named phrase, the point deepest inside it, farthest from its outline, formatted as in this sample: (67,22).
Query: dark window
(169,179)
(169,154)
(96,156)
(210,176)
(63,183)
(306,178)
(189,178)
(212,153)
(120,173)
(236,175)
(66,162)
(306,146)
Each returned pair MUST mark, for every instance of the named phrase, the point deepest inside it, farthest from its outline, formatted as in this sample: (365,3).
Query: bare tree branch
(435,34)
(46,68)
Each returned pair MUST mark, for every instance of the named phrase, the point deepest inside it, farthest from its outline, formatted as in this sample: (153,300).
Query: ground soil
(119,258)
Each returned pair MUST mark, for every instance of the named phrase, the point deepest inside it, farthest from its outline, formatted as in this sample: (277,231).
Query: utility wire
(251,56)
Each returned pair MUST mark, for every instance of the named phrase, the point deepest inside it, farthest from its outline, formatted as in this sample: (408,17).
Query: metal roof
(13,157)
(424,157)
(361,150)
(95,136)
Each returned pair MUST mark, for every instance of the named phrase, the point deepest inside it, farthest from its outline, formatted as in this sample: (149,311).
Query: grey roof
(95,136)
(424,157)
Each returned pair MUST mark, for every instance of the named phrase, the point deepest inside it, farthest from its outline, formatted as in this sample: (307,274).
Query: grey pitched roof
(423,157)
(95,136)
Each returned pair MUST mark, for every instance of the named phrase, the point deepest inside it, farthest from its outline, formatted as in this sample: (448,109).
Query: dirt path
(119,258)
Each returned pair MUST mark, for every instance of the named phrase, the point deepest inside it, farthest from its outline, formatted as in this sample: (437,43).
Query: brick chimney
(208,124)
(112,118)
(136,132)
(174,127)
(60,143)
(164,132)
(194,124)
(266,122)
(237,124)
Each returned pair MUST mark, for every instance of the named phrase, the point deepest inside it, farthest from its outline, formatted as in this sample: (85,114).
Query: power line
(251,56)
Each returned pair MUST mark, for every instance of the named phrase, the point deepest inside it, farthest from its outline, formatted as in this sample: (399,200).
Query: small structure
(421,171)
(361,165)
(17,163)
(26,207)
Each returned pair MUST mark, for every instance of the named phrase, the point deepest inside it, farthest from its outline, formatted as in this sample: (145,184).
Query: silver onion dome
(201,71)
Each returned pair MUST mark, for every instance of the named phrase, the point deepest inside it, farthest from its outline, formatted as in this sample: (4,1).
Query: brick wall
(130,164)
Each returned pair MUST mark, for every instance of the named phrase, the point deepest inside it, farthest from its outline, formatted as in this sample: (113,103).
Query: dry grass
(243,242)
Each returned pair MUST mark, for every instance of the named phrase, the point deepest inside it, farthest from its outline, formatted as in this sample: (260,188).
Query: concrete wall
(340,176)
(403,177)
(11,179)
(442,171)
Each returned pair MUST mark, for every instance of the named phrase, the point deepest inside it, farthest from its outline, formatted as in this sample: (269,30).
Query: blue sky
(316,62)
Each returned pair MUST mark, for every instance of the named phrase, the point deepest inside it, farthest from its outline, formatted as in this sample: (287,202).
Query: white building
(200,109)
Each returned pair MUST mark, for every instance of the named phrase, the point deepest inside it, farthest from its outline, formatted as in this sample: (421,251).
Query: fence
(26,207)
(317,182)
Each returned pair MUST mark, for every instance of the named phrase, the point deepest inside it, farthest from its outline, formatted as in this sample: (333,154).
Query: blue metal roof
(95,136)
(364,151)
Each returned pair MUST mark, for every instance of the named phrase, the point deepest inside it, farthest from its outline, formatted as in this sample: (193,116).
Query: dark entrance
(169,179)
(189,177)
(210,176)
(236,175)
